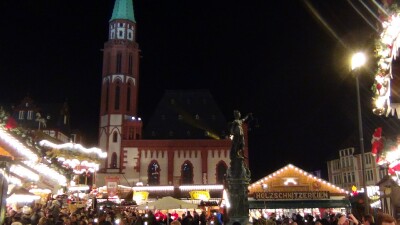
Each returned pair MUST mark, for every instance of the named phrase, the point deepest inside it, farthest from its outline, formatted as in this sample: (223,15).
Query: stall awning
(257,204)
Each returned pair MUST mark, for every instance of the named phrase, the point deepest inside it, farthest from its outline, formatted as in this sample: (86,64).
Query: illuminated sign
(297,195)
(199,195)
(139,196)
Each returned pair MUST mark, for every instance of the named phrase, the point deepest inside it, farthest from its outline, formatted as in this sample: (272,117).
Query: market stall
(292,190)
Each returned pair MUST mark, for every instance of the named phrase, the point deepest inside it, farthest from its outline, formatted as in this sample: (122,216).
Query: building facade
(185,142)
(346,172)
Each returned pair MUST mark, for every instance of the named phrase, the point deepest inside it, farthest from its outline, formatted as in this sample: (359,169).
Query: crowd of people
(54,214)
(327,219)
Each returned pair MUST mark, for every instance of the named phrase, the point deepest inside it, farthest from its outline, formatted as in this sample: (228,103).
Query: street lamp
(357,61)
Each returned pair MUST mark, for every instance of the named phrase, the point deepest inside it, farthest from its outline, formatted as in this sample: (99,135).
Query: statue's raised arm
(237,135)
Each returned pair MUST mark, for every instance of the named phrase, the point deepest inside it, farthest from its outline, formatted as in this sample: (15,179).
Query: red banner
(112,186)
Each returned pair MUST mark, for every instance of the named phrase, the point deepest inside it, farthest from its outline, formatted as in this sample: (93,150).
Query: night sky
(275,59)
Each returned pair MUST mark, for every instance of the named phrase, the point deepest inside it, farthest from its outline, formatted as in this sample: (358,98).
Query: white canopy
(168,203)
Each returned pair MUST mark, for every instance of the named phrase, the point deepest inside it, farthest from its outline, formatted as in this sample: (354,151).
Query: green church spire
(123,9)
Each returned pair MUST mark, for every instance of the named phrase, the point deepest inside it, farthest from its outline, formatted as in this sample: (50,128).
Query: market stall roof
(291,187)
(292,178)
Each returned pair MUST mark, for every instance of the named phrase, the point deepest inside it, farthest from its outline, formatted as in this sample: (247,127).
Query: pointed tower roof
(123,9)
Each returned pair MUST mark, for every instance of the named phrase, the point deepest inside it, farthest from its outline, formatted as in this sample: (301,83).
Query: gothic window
(153,172)
(128,97)
(30,115)
(21,115)
(115,136)
(113,164)
(107,63)
(130,65)
(187,173)
(197,117)
(107,95)
(221,172)
(130,133)
(119,62)
(117,96)
(120,34)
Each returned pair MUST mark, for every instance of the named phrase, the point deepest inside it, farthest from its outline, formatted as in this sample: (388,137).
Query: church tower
(120,80)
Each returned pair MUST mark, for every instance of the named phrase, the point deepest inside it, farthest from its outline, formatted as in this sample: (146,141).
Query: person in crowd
(176,222)
(368,220)
(347,220)
(102,219)
(16,220)
(188,219)
(271,219)
(196,218)
(385,219)
(203,218)
(174,215)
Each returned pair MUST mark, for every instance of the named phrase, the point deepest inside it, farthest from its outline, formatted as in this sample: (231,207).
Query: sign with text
(200,195)
(112,185)
(296,195)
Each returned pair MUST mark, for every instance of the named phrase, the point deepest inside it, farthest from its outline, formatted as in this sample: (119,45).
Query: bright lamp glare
(358,60)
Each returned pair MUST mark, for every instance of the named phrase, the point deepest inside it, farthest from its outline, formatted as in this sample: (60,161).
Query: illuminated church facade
(185,141)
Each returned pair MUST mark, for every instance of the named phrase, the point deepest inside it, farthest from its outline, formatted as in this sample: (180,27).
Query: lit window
(153,173)
(30,115)
(21,115)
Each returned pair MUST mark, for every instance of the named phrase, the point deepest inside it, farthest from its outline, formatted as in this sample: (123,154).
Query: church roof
(186,114)
(123,9)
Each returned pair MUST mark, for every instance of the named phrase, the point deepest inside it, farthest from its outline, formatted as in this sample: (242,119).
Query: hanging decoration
(386,49)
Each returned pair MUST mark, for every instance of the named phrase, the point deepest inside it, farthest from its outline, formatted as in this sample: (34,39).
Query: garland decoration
(386,50)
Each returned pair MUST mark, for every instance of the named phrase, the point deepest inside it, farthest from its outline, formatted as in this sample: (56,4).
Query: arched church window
(187,173)
(107,95)
(221,172)
(128,97)
(113,164)
(153,172)
(115,136)
(117,96)
(130,63)
(119,62)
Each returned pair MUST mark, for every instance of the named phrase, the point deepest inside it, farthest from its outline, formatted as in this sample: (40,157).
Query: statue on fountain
(238,174)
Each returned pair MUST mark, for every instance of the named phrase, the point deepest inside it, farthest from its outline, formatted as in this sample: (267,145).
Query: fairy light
(73,146)
(17,145)
(38,190)
(154,188)
(201,187)
(22,198)
(24,172)
(387,52)
(47,172)
(292,180)
(79,188)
